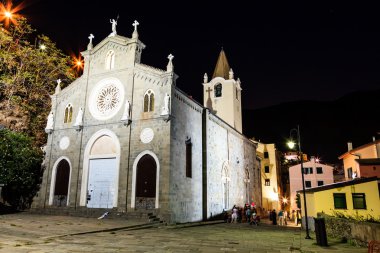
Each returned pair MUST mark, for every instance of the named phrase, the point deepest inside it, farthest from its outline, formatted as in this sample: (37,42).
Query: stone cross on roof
(135,24)
(91,37)
(135,34)
(170,57)
(89,46)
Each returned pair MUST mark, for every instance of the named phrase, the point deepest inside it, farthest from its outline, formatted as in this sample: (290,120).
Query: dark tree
(20,168)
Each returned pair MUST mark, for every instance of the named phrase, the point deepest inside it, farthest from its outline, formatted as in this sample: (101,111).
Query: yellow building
(272,194)
(357,198)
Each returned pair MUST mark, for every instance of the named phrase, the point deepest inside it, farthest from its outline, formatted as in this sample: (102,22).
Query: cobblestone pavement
(38,233)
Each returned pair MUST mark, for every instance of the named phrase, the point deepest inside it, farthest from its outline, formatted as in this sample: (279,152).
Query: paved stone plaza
(36,233)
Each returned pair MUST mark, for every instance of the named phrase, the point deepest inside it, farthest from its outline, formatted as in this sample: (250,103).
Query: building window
(68,114)
(349,172)
(149,101)
(110,60)
(266,155)
(320,183)
(267,182)
(218,90)
(340,201)
(307,184)
(358,200)
(319,170)
(189,146)
(266,169)
(308,170)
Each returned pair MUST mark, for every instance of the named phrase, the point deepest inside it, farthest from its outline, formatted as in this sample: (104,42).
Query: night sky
(281,52)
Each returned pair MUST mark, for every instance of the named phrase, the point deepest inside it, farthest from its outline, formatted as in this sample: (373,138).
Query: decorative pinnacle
(169,67)
(58,88)
(205,78)
(231,74)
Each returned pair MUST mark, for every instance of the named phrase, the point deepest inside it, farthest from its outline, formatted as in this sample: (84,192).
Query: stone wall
(233,177)
(185,192)
(357,232)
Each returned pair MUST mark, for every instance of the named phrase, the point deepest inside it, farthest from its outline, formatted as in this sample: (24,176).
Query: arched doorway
(146,174)
(59,189)
(100,176)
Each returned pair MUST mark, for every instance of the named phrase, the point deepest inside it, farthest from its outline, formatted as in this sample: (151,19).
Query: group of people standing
(247,214)
(282,217)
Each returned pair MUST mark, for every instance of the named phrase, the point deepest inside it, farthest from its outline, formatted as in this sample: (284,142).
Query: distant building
(363,161)
(316,174)
(272,193)
(293,156)
(354,198)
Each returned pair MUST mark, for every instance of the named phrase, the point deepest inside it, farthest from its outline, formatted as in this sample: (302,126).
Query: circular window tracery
(106,98)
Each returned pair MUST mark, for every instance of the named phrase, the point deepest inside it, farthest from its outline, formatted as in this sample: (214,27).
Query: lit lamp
(284,201)
(292,144)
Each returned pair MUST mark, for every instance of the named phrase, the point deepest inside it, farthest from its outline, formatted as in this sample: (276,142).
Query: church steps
(144,215)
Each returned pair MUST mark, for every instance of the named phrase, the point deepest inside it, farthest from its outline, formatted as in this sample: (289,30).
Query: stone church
(123,137)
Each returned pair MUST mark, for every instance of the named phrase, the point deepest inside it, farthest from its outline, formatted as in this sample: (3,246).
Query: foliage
(28,75)
(357,217)
(298,200)
(20,168)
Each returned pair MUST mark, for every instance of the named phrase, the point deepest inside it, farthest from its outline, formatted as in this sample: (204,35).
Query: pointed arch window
(225,185)
(218,90)
(149,101)
(188,157)
(110,60)
(68,114)
(247,181)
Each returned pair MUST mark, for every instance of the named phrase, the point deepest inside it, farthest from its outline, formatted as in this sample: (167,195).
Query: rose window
(108,99)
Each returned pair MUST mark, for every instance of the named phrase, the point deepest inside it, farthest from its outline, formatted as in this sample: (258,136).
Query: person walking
(285,218)
(248,214)
(234,215)
(281,218)
(274,217)
(298,218)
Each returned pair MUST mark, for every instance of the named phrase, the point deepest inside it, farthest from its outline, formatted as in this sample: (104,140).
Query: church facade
(123,137)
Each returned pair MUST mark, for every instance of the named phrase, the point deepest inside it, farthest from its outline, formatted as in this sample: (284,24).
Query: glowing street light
(42,47)
(291,144)
(79,64)
(9,14)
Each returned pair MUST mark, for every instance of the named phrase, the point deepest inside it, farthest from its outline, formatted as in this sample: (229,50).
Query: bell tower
(222,94)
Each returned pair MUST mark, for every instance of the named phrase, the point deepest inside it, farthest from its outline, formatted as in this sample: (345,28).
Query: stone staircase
(150,216)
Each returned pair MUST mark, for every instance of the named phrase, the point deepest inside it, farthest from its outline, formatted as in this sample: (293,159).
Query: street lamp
(291,144)
(9,14)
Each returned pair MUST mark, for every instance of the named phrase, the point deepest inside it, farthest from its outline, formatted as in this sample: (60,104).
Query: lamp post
(291,144)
